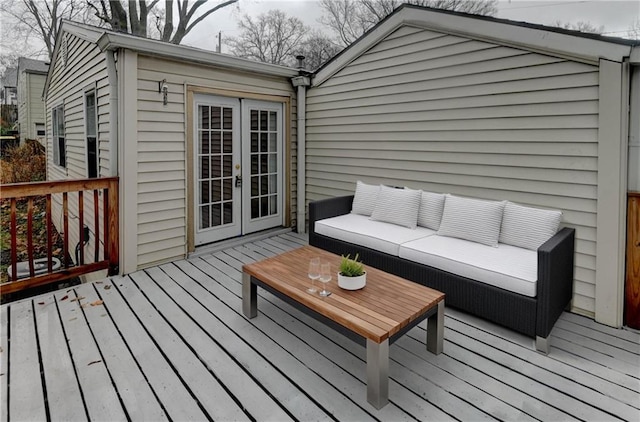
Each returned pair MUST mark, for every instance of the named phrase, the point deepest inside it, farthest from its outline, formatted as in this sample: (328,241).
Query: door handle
(238,181)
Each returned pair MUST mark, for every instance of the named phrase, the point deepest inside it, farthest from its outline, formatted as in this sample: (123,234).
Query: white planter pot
(352,283)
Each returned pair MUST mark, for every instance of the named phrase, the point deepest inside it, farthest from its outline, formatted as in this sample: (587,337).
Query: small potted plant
(352,275)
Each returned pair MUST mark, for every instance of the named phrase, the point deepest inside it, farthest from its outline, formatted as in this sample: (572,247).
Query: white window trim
(55,136)
(88,91)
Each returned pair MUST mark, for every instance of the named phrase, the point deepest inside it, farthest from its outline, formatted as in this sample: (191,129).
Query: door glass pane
(228,213)
(203,118)
(215,117)
(227,116)
(215,142)
(203,145)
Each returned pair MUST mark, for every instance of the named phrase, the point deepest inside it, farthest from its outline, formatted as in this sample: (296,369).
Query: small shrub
(25,163)
(351,267)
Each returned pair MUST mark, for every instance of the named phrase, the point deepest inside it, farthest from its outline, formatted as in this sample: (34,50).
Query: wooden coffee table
(375,316)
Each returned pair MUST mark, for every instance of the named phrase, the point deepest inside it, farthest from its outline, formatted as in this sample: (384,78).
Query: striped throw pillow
(527,227)
(365,198)
(472,219)
(430,213)
(397,206)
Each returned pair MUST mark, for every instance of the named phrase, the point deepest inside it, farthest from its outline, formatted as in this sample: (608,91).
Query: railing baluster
(30,257)
(49,236)
(81,226)
(105,212)
(65,225)
(14,241)
(96,225)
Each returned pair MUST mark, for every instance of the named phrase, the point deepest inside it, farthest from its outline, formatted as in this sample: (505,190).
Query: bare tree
(40,20)
(581,26)
(318,49)
(633,32)
(272,37)
(349,19)
(133,16)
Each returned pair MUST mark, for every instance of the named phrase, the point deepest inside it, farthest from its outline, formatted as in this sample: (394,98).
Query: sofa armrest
(555,279)
(327,208)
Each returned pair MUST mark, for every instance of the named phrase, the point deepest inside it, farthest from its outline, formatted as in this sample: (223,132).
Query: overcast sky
(616,16)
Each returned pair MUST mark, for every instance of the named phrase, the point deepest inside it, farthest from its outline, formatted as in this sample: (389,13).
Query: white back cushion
(471,219)
(397,206)
(430,213)
(365,198)
(527,227)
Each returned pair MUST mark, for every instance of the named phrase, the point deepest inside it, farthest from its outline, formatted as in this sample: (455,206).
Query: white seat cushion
(378,235)
(505,266)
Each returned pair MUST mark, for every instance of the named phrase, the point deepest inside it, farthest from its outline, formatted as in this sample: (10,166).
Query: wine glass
(325,277)
(314,273)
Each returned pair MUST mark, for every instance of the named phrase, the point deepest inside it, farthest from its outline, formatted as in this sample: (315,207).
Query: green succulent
(351,267)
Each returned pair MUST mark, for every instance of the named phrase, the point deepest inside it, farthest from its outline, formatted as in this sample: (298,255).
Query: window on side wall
(91,130)
(59,141)
(40,131)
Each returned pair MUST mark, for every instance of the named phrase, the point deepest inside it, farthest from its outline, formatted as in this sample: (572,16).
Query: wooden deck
(171,343)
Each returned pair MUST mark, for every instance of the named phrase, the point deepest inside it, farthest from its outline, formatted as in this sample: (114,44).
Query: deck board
(171,343)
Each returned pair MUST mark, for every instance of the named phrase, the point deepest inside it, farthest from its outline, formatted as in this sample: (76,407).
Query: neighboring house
(8,87)
(203,143)
(32,75)
(489,108)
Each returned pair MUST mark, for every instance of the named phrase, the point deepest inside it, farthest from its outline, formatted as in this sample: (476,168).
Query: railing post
(114,226)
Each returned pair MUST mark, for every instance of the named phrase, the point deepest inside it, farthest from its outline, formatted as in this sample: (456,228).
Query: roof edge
(112,41)
(538,38)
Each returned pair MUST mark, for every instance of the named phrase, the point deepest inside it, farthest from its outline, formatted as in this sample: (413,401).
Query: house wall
(83,67)
(30,103)
(449,114)
(162,190)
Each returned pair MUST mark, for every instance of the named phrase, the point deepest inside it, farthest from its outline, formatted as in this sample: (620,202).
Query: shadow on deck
(171,342)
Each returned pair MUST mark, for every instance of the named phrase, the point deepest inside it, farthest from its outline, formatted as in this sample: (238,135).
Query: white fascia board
(539,40)
(111,41)
(634,58)
(521,36)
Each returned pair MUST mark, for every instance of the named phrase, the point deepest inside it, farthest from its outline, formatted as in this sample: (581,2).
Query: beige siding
(85,67)
(30,103)
(162,143)
(449,114)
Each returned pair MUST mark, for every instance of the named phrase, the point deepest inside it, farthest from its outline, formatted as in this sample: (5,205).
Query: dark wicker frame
(532,316)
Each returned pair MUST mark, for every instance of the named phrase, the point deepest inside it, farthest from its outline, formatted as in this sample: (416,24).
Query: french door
(238,167)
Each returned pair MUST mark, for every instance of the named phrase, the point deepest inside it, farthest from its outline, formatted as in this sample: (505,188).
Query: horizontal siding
(448,114)
(162,154)
(85,67)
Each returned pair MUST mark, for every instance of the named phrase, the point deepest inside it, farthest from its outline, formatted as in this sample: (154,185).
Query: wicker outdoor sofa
(533,314)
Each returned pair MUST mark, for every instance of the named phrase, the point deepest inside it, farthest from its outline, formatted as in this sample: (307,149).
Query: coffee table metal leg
(435,330)
(249,297)
(378,373)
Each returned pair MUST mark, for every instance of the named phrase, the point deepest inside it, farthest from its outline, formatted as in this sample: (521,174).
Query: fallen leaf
(95,361)
(79,298)
(40,303)
(65,297)
(103,315)
(73,319)
(84,305)
(99,282)
(107,287)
